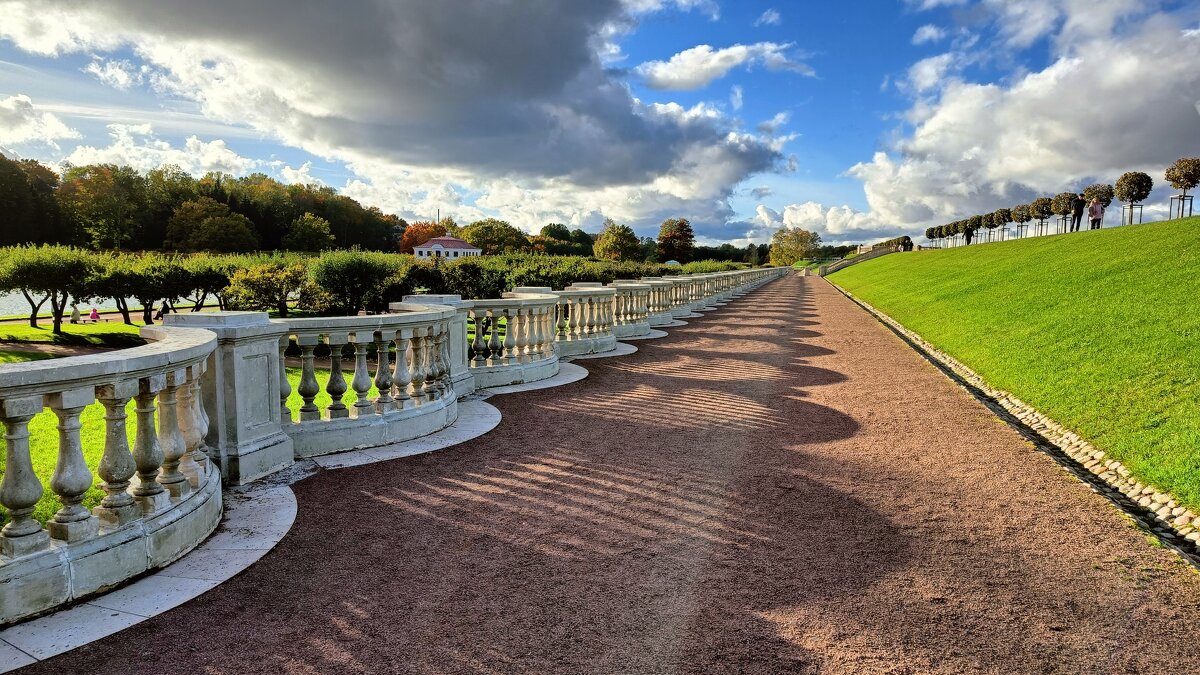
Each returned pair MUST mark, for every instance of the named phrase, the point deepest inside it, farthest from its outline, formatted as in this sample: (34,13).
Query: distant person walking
(1077,206)
(967,235)
(1096,213)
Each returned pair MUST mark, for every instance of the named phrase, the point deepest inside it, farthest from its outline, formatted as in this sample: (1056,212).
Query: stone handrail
(661,291)
(824,270)
(585,318)
(162,495)
(631,308)
(412,377)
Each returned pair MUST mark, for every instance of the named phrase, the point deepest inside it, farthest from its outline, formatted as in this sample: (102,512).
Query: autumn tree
(1101,191)
(107,202)
(617,242)
(418,233)
(676,240)
(790,244)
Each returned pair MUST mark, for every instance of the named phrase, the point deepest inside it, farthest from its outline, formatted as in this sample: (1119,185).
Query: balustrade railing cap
(411,314)
(627,283)
(586,284)
(451,299)
(227,325)
(532,289)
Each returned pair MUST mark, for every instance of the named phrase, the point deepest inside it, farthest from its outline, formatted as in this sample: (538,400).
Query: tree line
(339,282)
(1132,188)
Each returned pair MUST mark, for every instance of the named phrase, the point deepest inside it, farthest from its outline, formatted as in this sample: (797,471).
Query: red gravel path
(781,486)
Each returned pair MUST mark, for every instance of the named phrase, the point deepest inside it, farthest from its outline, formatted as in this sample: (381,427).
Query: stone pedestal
(241,393)
(460,374)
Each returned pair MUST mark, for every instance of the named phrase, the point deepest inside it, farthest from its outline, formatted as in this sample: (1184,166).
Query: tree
(1101,191)
(1184,175)
(1133,187)
(107,202)
(617,242)
(186,219)
(354,279)
(233,233)
(60,274)
(309,233)
(1041,208)
(167,187)
(1020,216)
(1061,204)
(418,233)
(649,249)
(791,244)
(556,231)
(752,255)
(495,236)
(272,285)
(676,240)
(583,240)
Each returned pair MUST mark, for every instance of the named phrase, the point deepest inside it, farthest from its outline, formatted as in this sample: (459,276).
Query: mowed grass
(1098,329)
(17,356)
(43,430)
(107,334)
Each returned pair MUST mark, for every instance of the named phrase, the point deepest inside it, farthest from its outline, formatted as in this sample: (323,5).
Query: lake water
(14,303)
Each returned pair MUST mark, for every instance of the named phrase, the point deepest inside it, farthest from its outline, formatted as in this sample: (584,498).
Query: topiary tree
(1020,216)
(60,274)
(1041,209)
(1101,191)
(1184,175)
(272,285)
(1133,187)
(1061,205)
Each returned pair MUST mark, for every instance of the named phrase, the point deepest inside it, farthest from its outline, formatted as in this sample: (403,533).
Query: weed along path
(782,485)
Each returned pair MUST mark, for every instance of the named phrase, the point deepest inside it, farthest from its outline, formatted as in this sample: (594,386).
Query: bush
(272,285)
(354,279)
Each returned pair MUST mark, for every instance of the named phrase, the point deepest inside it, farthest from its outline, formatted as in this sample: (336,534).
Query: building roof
(448,242)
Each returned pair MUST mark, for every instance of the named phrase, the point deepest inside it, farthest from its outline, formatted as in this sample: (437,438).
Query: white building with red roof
(445,247)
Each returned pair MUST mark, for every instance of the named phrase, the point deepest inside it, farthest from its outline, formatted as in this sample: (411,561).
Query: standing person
(967,234)
(1096,213)
(1077,206)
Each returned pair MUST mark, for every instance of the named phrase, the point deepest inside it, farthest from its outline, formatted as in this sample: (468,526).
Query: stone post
(460,374)
(241,393)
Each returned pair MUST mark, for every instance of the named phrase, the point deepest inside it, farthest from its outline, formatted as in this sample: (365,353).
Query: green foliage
(58,274)
(106,202)
(1101,191)
(233,233)
(30,211)
(1041,208)
(272,285)
(186,219)
(494,236)
(1061,204)
(1020,214)
(556,231)
(790,244)
(709,267)
(309,233)
(1134,187)
(1002,217)
(676,240)
(478,277)
(1097,330)
(354,279)
(617,242)
(1184,174)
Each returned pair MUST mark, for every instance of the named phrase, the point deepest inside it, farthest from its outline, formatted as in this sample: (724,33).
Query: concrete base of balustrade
(586,345)
(463,383)
(323,437)
(660,319)
(680,312)
(519,373)
(256,459)
(44,581)
(631,330)
(652,335)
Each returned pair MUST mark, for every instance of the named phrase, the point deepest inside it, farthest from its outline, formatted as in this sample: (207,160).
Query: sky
(859,120)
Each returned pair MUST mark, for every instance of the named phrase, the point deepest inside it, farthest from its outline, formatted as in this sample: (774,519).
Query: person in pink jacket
(1096,213)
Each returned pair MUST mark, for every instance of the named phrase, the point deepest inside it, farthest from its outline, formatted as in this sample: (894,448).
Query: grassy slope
(1099,329)
(109,334)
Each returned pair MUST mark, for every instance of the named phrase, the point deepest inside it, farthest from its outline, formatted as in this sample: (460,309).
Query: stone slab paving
(780,486)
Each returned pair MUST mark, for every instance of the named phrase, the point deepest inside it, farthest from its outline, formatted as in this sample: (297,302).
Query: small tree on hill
(1020,216)
(617,242)
(1101,191)
(1184,174)
(1041,209)
(1134,187)
(676,240)
(1061,205)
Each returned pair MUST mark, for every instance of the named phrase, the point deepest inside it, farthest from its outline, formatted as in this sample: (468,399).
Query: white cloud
(930,73)
(770,17)
(137,146)
(701,65)
(928,33)
(735,97)
(22,122)
(117,74)
(835,224)
(299,176)
(771,126)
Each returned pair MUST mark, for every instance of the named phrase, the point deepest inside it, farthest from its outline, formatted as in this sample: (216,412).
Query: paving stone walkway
(780,486)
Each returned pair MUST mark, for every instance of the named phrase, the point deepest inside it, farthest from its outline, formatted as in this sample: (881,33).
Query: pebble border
(1176,526)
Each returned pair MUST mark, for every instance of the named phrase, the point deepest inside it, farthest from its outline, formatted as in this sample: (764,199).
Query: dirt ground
(780,486)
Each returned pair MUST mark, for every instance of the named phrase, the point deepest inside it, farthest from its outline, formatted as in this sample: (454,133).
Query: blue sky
(857,120)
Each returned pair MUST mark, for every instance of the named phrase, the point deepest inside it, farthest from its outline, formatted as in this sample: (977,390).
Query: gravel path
(780,486)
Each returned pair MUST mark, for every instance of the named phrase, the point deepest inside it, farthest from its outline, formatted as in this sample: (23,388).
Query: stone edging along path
(1177,527)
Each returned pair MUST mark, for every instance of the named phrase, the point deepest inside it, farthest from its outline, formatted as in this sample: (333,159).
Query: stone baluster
(20,488)
(72,478)
(403,374)
(200,419)
(362,378)
(435,356)
(116,466)
(383,374)
(589,316)
(170,439)
(494,353)
(308,387)
(545,342)
(285,386)
(513,320)
(573,327)
(447,369)
(188,431)
(524,335)
(336,388)
(477,345)
(562,322)
(147,453)
(419,370)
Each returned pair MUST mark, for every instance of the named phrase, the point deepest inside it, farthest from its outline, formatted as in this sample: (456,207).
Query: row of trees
(106,206)
(1132,188)
(342,282)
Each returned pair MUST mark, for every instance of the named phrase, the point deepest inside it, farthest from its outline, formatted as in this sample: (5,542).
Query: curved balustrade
(411,378)
(661,293)
(631,308)
(512,339)
(162,494)
(586,314)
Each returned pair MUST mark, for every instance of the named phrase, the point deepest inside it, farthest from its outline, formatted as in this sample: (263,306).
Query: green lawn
(1098,329)
(108,334)
(14,356)
(44,440)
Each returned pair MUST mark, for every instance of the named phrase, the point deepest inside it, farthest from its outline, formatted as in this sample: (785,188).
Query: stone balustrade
(162,494)
(210,395)
(512,339)
(631,308)
(414,393)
